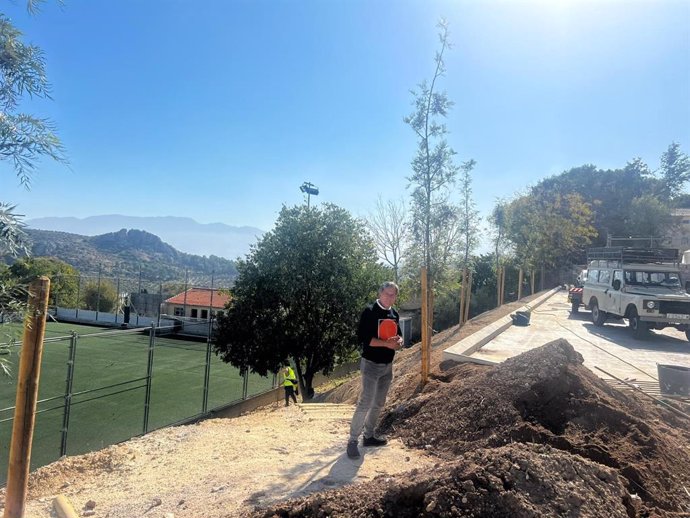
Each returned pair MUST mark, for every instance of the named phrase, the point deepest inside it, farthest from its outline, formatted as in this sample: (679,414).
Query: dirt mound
(513,481)
(587,439)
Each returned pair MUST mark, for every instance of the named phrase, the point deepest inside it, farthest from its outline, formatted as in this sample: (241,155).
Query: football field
(109,388)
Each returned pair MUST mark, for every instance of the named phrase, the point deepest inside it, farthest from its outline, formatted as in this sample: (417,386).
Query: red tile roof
(201,297)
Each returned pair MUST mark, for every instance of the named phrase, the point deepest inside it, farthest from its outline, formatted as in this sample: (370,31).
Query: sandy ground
(218,467)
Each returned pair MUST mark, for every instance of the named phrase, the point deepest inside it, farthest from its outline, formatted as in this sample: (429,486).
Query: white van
(641,285)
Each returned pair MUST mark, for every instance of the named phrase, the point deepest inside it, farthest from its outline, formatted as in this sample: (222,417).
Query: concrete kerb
(461,351)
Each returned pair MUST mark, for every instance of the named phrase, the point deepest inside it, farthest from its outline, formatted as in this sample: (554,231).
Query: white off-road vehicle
(640,284)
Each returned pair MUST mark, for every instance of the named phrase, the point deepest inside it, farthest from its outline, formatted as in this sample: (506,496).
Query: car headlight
(650,305)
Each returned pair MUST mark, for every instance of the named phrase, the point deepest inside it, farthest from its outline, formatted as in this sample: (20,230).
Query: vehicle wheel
(575,307)
(639,328)
(598,316)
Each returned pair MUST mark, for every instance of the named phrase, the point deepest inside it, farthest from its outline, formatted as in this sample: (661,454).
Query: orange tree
(299,294)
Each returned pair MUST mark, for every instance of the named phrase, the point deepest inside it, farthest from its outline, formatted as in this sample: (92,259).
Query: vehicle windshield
(651,278)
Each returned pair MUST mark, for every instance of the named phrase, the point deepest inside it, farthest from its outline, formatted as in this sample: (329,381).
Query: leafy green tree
(101,296)
(24,138)
(549,228)
(484,284)
(648,216)
(498,222)
(674,171)
(64,279)
(299,294)
(13,240)
(611,193)
(468,213)
(608,193)
(13,295)
(434,219)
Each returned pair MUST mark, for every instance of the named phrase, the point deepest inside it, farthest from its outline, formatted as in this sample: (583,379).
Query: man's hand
(395,343)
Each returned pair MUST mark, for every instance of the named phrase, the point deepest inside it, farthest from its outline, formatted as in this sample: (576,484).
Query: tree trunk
(308,386)
(306,381)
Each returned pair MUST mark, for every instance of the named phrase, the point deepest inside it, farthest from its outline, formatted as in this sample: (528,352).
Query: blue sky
(220,109)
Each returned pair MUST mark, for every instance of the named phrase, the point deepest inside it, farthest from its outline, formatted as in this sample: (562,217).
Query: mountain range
(182,233)
(128,254)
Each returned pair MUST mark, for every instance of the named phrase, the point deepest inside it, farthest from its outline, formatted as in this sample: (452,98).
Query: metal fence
(96,297)
(104,387)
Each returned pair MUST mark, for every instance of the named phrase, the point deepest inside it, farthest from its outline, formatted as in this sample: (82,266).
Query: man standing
(379,336)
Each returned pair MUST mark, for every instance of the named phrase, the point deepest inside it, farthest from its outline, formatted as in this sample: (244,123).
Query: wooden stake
(541,278)
(498,287)
(27,395)
(463,282)
(425,329)
(503,285)
(520,275)
(430,322)
(469,295)
(532,281)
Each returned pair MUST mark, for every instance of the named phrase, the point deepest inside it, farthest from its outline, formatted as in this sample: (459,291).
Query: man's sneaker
(352,450)
(374,441)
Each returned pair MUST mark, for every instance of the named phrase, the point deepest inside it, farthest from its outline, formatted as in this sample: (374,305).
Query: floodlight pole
(309,188)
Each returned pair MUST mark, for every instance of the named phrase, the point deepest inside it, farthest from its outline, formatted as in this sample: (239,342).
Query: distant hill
(127,252)
(185,234)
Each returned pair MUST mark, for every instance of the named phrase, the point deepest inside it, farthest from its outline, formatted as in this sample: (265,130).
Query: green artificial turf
(109,388)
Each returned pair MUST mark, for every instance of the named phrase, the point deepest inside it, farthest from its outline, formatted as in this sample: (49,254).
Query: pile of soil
(538,435)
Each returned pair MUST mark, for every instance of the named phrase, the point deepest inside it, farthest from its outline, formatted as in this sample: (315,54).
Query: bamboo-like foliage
(435,227)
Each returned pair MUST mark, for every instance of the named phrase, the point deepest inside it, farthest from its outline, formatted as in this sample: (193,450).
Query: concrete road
(610,347)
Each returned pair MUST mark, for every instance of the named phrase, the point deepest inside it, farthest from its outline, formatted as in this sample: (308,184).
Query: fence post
(27,395)
(139,294)
(68,392)
(149,376)
(98,292)
(160,302)
(76,310)
(209,331)
(117,299)
(207,369)
(184,302)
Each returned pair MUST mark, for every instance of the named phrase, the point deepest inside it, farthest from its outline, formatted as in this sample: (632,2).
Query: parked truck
(642,285)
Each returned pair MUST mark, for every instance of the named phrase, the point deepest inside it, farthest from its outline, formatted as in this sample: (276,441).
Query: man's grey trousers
(376,380)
